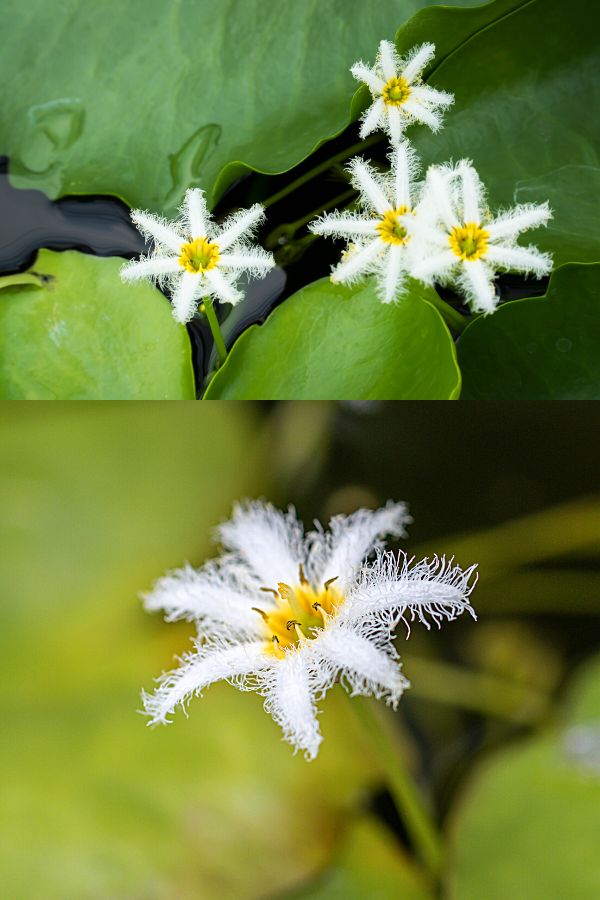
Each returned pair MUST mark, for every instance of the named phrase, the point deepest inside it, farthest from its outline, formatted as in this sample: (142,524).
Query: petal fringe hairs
(288,614)
(438,230)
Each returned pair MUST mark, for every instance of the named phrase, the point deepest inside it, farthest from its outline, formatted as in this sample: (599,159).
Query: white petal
(344,225)
(437,266)
(220,287)
(417,60)
(367,669)
(370,77)
(393,273)
(518,219)
(207,665)
(239,224)
(395,123)
(431,96)
(422,114)
(438,193)
(388,60)
(372,118)
(268,541)
(214,593)
(365,180)
(357,263)
(196,212)
(289,700)
(350,539)
(255,260)
(152,267)
(520,259)
(472,193)
(404,169)
(186,296)
(158,229)
(479,287)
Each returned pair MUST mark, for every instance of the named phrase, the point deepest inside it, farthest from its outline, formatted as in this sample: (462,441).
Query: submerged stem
(215,328)
(451,316)
(407,798)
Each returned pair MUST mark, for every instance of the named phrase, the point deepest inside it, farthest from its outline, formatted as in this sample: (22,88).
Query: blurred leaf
(528,825)
(334,343)
(81,334)
(546,348)
(523,92)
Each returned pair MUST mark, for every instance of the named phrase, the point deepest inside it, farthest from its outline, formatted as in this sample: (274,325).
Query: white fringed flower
(287,614)
(458,242)
(194,258)
(399,95)
(378,235)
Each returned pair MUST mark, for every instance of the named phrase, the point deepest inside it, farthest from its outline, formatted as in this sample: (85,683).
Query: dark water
(100,225)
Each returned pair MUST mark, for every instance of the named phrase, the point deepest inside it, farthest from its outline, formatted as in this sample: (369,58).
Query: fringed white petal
(340,551)
(209,663)
(158,229)
(365,180)
(472,193)
(520,259)
(437,266)
(366,668)
(340,224)
(151,267)
(404,168)
(416,61)
(476,281)
(370,77)
(431,96)
(196,212)
(240,224)
(256,261)
(221,287)
(392,276)
(520,218)
(186,296)
(372,118)
(289,699)
(395,124)
(268,541)
(439,196)
(388,60)
(422,114)
(357,263)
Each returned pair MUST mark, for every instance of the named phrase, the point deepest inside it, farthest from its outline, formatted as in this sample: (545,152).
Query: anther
(284,590)
(301,575)
(292,623)
(330,581)
(260,612)
(269,591)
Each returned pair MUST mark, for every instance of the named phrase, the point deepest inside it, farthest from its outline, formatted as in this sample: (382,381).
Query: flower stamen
(469,241)
(390,228)
(199,256)
(396,91)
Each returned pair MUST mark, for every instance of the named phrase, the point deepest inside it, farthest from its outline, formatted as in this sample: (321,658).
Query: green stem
(318,170)
(211,316)
(452,318)
(407,798)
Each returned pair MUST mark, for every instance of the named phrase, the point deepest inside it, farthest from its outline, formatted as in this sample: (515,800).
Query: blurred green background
(502,725)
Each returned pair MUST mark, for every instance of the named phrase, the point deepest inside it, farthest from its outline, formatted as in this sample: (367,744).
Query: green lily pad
(328,342)
(523,92)
(529,823)
(545,348)
(165,97)
(70,330)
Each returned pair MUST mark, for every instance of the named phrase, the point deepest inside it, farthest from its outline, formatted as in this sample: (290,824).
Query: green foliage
(70,330)
(332,342)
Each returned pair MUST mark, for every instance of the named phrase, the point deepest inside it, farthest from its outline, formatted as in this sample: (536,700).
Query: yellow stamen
(396,91)
(199,255)
(390,229)
(299,614)
(469,241)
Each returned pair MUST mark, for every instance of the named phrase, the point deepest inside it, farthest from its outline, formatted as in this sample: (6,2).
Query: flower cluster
(439,229)
(289,614)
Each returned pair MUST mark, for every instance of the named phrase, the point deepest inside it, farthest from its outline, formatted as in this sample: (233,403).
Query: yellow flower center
(199,255)
(299,615)
(396,91)
(390,229)
(469,241)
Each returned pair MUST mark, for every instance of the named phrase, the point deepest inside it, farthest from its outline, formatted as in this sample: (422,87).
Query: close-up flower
(399,96)
(288,614)
(193,257)
(458,242)
(378,235)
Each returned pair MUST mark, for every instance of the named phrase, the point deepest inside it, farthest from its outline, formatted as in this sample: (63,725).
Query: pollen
(299,614)
(469,242)
(390,229)
(396,91)
(199,256)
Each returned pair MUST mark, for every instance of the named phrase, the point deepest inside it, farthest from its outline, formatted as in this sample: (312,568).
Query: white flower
(378,234)
(286,614)
(458,242)
(194,258)
(399,96)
